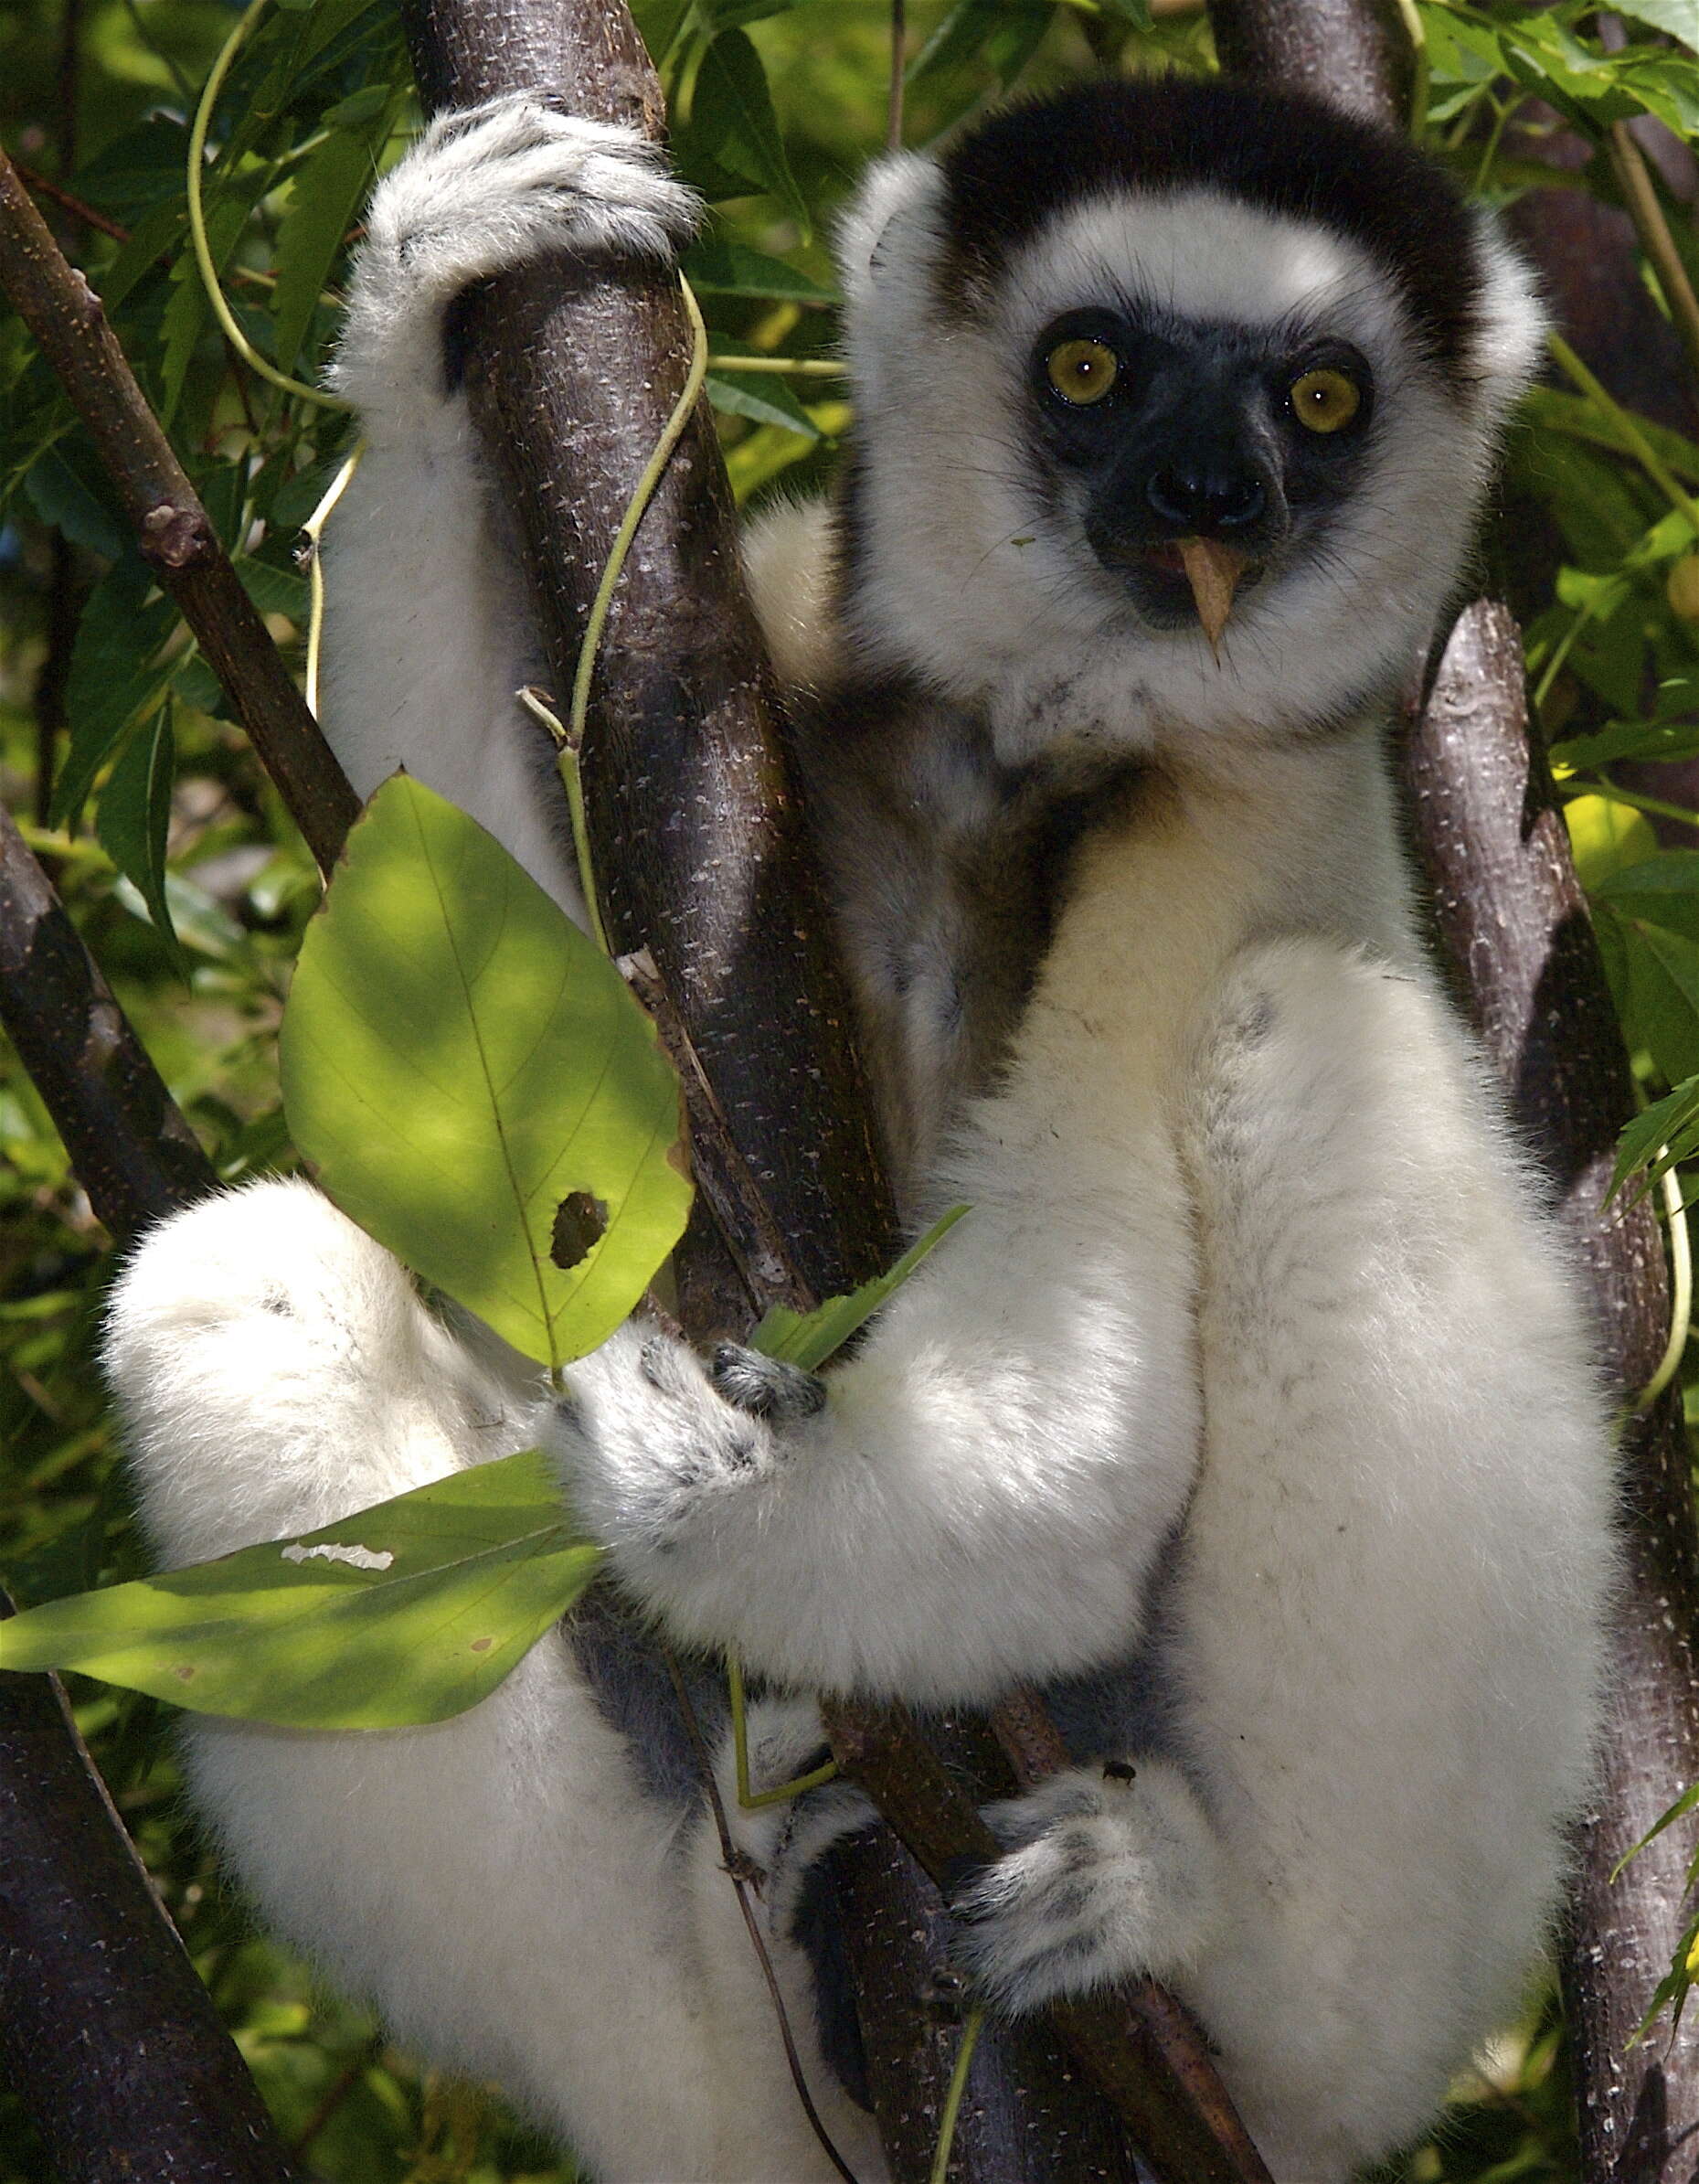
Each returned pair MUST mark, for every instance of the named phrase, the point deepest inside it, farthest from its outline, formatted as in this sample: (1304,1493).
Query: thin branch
(1641,196)
(899,56)
(172,529)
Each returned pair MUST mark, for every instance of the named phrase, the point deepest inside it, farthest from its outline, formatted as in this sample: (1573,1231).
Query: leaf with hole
(409,1612)
(459,1060)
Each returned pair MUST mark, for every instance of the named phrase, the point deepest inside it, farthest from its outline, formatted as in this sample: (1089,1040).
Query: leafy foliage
(776,106)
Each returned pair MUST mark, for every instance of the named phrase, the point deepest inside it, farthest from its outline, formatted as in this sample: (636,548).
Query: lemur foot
(1107,1873)
(482,191)
(783,1840)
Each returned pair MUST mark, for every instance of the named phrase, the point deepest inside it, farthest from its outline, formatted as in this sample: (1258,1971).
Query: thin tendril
(953,2099)
(313,527)
(751,1800)
(233,333)
(572,779)
(633,515)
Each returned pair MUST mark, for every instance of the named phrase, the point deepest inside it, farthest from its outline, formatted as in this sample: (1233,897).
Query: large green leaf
(409,1612)
(474,1086)
(133,821)
(733,123)
(327,192)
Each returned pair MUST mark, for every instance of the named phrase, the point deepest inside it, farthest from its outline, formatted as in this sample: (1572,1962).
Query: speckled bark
(1511,916)
(1514,921)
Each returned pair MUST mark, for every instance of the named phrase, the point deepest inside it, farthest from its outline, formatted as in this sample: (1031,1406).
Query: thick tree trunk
(1514,921)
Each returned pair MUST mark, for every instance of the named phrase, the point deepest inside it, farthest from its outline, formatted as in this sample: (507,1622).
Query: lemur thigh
(1387,1620)
(426,629)
(500,1884)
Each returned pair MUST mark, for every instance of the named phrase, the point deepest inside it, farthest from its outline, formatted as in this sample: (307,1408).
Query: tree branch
(1513,920)
(172,529)
(110,2039)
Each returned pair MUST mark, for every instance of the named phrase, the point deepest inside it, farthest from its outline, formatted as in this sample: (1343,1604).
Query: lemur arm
(1020,1429)
(428,633)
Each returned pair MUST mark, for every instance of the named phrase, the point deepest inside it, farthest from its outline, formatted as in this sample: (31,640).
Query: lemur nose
(1204,498)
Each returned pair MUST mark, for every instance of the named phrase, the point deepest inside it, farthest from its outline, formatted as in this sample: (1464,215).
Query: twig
(173,529)
(43,186)
(899,55)
(734,1864)
(1639,194)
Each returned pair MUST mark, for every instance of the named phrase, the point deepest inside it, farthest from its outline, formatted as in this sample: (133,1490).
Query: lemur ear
(1512,319)
(893,218)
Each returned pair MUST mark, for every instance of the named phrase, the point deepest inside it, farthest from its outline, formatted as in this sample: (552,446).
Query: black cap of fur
(1281,152)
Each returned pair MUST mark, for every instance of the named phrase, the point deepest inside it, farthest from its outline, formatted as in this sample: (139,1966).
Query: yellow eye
(1082,372)
(1324,400)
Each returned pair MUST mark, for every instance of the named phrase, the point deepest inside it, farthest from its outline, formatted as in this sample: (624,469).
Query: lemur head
(1109,327)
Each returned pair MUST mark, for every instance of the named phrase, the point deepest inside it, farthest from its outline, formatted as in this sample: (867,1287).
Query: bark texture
(1514,923)
(703,864)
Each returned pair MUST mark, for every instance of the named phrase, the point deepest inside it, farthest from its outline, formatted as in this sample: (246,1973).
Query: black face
(1195,432)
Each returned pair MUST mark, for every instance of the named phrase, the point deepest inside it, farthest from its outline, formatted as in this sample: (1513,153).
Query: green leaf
(763,396)
(1673,1122)
(733,123)
(275,589)
(459,1060)
(1679,18)
(409,1612)
(116,677)
(1684,1805)
(327,192)
(134,819)
(62,498)
(731,268)
(809,1338)
(1000,34)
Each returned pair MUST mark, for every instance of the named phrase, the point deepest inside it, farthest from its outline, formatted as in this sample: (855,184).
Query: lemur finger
(765,1386)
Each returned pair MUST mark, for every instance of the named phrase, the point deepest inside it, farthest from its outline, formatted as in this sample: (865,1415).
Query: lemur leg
(1386,1642)
(501,1884)
(427,630)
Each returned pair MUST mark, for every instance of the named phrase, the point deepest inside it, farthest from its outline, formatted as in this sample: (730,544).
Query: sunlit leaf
(763,396)
(409,1612)
(458,1058)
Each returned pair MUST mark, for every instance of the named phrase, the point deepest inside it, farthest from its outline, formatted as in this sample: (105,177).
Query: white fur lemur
(1250,1408)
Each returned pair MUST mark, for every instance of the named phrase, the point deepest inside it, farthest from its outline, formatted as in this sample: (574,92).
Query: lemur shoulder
(1251,1409)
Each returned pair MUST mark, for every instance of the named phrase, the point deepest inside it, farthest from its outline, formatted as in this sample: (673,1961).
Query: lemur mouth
(1183,577)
